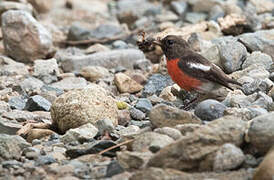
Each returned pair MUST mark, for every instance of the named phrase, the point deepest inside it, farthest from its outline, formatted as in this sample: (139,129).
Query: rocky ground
(90,105)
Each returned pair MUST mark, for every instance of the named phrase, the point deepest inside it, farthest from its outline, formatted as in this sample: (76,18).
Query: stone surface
(37,103)
(125,84)
(12,146)
(232,55)
(266,168)
(150,141)
(17,102)
(158,173)
(166,116)
(46,70)
(110,59)
(171,132)
(104,125)
(137,114)
(228,157)
(70,83)
(79,107)
(9,5)
(257,57)
(261,131)
(259,41)
(25,39)
(189,152)
(133,160)
(155,84)
(143,105)
(209,110)
(7,127)
(83,133)
(41,6)
(94,73)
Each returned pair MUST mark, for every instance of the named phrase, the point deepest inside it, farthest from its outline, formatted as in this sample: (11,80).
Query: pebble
(12,146)
(259,41)
(19,26)
(232,55)
(143,105)
(171,132)
(104,125)
(209,110)
(151,141)
(133,160)
(17,102)
(81,134)
(46,70)
(194,17)
(94,73)
(125,84)
(179,7)
(44,160)
(37,103)
(228,157)
(163,115)
(155,84)
(31,85)
(257,57)
(137,114)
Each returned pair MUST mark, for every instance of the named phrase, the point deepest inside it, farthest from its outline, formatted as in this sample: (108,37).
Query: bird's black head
(173,46)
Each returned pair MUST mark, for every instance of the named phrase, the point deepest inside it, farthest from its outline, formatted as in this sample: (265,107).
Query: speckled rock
(79,107)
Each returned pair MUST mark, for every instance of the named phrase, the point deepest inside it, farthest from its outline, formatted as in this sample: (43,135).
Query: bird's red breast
(179,77)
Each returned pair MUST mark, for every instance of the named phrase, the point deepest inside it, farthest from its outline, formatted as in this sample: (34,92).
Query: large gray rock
(70,83)
(191,151)
(110,59)
(259,41)
(78,107)
(232,54)
(25,39)
(11,146)
(261,132)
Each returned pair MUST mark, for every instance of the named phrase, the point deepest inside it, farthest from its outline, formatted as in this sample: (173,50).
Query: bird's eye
(170,42)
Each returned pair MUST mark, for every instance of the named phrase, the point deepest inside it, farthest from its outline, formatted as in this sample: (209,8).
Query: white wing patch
(199,66)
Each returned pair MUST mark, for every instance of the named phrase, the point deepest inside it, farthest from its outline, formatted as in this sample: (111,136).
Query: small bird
(190,70)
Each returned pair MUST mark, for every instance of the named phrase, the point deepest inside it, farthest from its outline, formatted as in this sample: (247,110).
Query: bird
(190,70)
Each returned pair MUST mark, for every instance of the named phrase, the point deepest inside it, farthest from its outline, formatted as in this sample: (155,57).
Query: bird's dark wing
(195,65)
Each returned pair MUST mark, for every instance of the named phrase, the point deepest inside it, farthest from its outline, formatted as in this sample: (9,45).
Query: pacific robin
(190,70)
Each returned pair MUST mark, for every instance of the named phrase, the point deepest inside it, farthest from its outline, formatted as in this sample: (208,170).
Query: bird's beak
(157,42)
